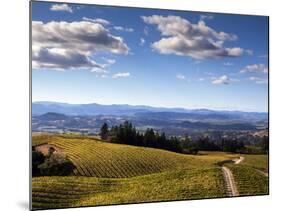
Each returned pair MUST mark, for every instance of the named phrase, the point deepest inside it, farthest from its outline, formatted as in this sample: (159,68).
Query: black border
(148,8)
(30,106)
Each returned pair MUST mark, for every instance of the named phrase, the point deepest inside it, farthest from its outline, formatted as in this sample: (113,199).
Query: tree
(104,131)
(37,159)
(265,144)
(233,145)
(56,165)
(149,138)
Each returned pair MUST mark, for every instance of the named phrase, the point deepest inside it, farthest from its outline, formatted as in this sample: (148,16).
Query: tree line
(126,133)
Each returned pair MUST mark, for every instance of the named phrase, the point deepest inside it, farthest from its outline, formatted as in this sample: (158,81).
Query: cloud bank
(198,41)
(121,28)
(221,80)
(121,75)
(261,68)
(96,20)
(61,7)
(259,80)
(71,45)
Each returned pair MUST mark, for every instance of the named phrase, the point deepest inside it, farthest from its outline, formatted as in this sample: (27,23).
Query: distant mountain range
(39,108)
(140,111)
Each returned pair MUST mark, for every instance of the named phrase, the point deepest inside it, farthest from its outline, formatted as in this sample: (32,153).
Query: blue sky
(111,55)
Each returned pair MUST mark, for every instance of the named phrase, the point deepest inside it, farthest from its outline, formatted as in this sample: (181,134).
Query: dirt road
(229,179)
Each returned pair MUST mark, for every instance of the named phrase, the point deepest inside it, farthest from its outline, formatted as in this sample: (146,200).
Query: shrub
(37,159)
(56,165)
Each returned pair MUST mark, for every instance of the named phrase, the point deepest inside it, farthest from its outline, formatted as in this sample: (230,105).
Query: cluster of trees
(205,144)
(51,164)
(126,133)
(259,147)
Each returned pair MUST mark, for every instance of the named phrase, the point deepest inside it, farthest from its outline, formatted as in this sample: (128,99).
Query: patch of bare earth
(46,148)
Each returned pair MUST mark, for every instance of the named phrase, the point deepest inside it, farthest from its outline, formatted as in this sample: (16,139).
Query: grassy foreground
(249,176)
(248,180)
(109,173)
(59,192)
(259,162)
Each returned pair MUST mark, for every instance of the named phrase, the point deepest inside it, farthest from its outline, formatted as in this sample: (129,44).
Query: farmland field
(108,173)
(249,181)
(250,175)
(106,160)
(259,162)
(53,192)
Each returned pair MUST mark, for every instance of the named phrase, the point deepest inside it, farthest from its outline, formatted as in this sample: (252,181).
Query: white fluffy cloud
(121,75)
(180,77)
(255,68)
(61,7)
(121,28)
(221,80)
(96,20)
(180,37)
(259,80)
(70,45)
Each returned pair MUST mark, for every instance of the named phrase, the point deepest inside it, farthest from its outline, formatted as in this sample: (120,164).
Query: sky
(113,55)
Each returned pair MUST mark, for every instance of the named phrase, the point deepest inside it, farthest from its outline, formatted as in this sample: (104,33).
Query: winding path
(229,179)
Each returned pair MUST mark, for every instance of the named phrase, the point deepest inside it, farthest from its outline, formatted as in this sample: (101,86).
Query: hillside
(100,159)
(142,111)
(109,173)
(60,192)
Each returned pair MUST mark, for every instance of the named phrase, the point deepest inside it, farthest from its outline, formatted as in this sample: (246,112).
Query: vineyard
(256,161)
(109,173)
(249,181)
(94,158)
(59,192)
(250,175)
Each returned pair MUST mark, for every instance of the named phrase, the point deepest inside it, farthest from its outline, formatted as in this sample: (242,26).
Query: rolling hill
(62,192)
(95,158)
(109,173)
(141,111)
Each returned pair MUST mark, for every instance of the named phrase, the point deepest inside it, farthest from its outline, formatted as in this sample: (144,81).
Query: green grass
(95,158)
(109,173)
(59,192)
(248,180)
(247,176)
(259,162)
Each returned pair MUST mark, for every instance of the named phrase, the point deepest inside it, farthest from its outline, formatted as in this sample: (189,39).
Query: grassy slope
(105,160)
(118,173)
(248,180)
(256,161)
(55,192)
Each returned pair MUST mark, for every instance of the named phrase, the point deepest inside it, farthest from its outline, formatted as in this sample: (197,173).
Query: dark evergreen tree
(104,131)
(37,159)
(265,144)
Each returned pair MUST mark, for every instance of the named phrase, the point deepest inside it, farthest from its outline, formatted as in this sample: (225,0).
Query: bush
(56,165)
(37,159)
